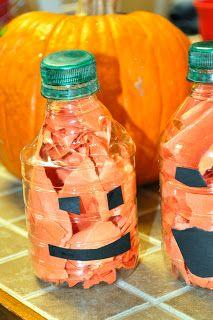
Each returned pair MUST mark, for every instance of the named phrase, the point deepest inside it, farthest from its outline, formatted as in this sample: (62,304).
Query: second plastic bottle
(187,175)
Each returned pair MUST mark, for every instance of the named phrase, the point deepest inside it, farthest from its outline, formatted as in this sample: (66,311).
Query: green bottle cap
(68,75)
(201,62)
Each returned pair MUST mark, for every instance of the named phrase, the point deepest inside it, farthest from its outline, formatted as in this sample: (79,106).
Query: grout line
(129,288)
(152,300)
(163,306)
(174,312)
(39,292)
(149,251)
(10,191)
(130,311)
(174,294)
(13,228)
(137,292)
(14,256)
(150,239)
(27,303)
(17,219)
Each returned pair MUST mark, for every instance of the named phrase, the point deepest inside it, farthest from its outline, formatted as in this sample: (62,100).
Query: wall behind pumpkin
(158,6)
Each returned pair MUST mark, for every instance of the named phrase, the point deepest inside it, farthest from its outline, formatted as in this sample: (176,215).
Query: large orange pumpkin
(142,63)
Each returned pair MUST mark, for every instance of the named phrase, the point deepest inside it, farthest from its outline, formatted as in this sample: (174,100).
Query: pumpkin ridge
(112,26)
(132,50)
(129,123)
(153,162)
(184,44)
(6,140)
(83,23)
(5,111)
(161,120)
(38,81)
(171,30)
(164,106)
(156,62)
(179,95)
(177,33)
(51,33)
(109,21)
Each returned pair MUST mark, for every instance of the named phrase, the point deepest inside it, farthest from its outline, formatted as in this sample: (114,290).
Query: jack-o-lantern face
(72,205)
(195,244)
(187,183)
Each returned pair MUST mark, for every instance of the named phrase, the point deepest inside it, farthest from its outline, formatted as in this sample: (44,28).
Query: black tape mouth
(113,249)
(196,246)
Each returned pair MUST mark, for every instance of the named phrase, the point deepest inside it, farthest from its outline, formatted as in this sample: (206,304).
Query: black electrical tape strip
(110,250)
(115,198)
(70,204)
(196,246)
(190,177)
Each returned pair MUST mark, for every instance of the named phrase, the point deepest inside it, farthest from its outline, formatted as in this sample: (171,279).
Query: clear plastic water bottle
(187,175)
(79,180)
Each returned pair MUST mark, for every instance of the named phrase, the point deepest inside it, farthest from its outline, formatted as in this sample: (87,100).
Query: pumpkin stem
(96,7)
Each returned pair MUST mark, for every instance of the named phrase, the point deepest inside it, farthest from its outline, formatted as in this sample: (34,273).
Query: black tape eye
(71,204)
(190,177)
(115,198)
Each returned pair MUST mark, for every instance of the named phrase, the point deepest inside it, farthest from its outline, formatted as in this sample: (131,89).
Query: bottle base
(85,279)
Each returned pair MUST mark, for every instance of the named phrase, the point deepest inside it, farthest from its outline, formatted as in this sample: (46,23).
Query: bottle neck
(69,92)
(202,90)
(75,107)
(200,75)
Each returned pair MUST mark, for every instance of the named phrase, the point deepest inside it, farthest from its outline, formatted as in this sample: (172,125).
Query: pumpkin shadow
(111,95)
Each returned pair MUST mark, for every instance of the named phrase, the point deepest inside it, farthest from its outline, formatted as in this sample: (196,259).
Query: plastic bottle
(187,175)
(79,180)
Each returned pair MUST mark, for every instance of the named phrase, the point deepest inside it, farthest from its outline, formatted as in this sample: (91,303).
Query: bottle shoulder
(190,115)
(69,133)
(187,142)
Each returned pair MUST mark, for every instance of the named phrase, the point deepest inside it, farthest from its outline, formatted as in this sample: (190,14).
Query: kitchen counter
(149,293)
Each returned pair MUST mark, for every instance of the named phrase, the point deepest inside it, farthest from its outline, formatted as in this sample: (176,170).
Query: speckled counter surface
(149,293)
